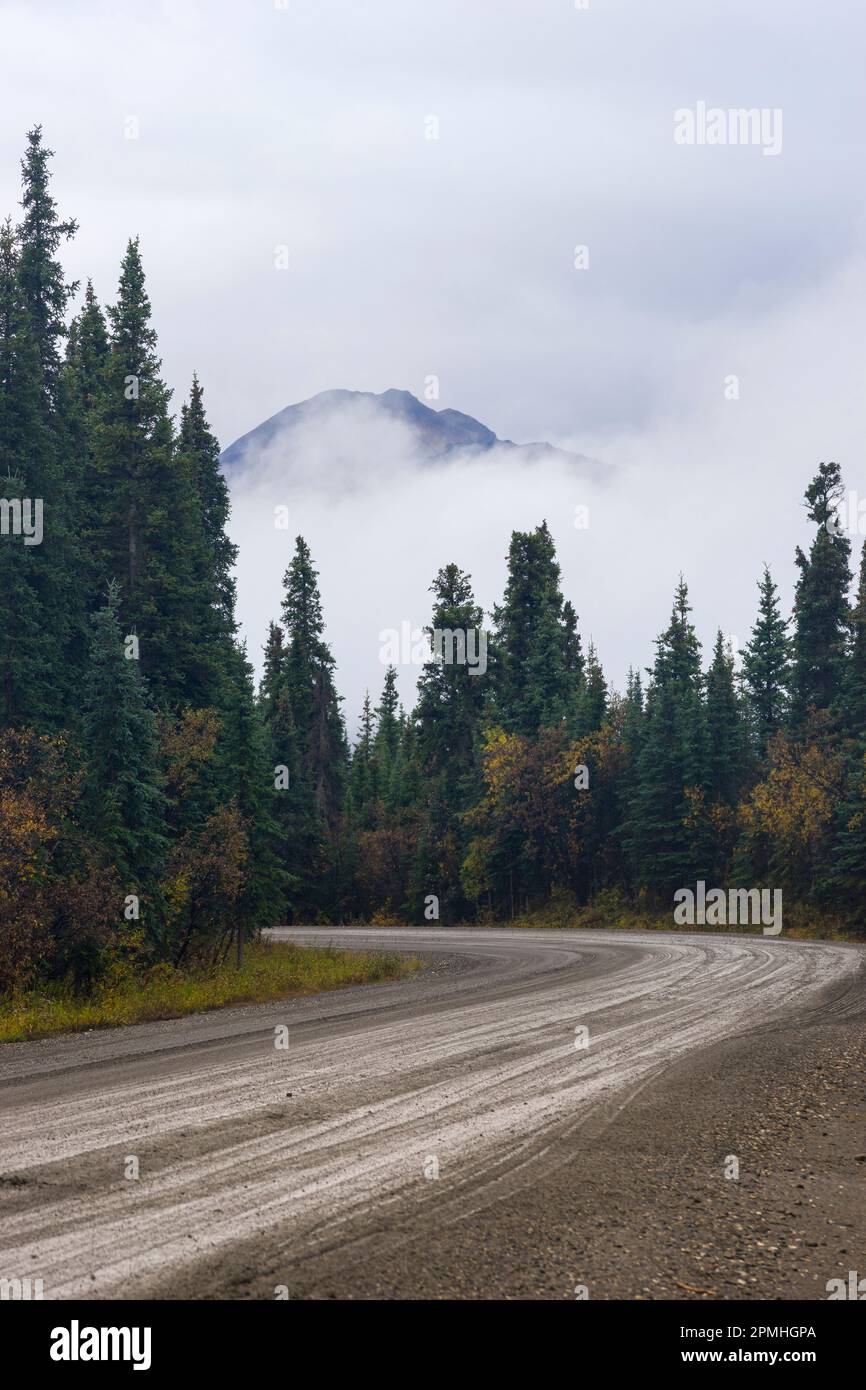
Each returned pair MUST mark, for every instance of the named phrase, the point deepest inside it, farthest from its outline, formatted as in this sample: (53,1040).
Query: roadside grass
(271,970)
(611,912)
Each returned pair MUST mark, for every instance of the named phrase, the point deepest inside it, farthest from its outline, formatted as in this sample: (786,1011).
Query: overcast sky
(306,127)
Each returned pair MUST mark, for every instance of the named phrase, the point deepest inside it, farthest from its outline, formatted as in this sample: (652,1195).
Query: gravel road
(533,1113)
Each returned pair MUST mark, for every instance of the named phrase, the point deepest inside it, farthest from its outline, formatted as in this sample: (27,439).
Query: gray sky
(305,127)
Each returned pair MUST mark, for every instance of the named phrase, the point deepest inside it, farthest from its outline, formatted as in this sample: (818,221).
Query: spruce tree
(149,533)
(633,728)
(727,753)
(198,446)
(448,716)
(678,652)
(388,728)
(407,778)
(821,615)
(133,446)
(21,414)
(536,647)
(387,759)
(44,289)
(81,388)
(672,759)
(28,653)
(312,693)
(364,782)
(87,353)
(451,693)
(766,673)
(572,653)
(591,696)
(633,711)
(49,470)
(273,681)
(321,738)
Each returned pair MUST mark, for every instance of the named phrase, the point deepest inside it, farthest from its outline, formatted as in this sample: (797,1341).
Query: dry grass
(271,971)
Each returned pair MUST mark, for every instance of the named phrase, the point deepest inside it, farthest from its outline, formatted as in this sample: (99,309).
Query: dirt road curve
(449,1135)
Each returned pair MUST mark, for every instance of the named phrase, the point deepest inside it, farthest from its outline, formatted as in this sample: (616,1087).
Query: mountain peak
(348,420)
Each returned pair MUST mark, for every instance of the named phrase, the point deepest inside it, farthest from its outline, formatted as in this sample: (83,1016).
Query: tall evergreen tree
(451,693)
(87,352)
(727,750)
(133,440)
(21,416)
(44,289)
(591,696)
(28,653)
(198,446)
(672,759)
(81,387)
(766,674)
(150,534)
(572,653)
(388,727)
(365,769)
(448,715)
(388,741)
(633,711)
(678,651)
(536,648)
(821,615)
(312,694)
(273,682)
(50,475)
(633,729)
(318,733)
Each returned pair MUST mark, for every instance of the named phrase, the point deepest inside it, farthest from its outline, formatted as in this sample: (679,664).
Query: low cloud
(713,488)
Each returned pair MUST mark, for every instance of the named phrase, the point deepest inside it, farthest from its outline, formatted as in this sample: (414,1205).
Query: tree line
(536,782)
(155,805)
